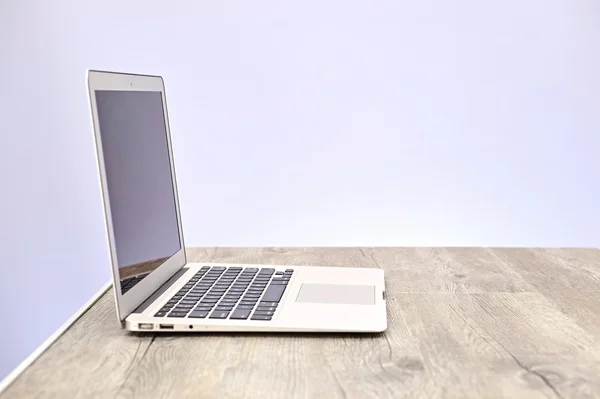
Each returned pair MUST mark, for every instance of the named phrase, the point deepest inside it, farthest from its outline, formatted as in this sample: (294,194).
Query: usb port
(166,326)
(145,326)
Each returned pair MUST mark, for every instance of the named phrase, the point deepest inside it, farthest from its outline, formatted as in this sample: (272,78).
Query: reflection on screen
(139,181)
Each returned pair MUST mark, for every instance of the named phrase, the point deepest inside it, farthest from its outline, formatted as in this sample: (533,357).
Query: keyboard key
(236,268)
(264,312)
(177,314)
(281,282)
(160,314)
(245,307)
(204,268)
(219,314)
(279,273)
(266,308)
(251,269)
(265,272)
(240,314)
(233,298)
(261,317)
(199,314)
(289,270)
(274,293)
(201,308)
(265,303)
(223,308)
(247,302)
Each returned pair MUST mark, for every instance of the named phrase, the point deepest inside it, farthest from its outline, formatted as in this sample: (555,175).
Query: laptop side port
(166,326)
(146,326)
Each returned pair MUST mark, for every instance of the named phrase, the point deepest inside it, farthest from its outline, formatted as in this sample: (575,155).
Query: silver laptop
(155,287)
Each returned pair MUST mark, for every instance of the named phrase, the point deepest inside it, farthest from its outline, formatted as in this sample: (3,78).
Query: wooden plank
(568,278)
(501,345)
(348,257)
(463,323)
(446,270)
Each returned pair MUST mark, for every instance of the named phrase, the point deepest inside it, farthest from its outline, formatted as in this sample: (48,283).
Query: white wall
(386,122)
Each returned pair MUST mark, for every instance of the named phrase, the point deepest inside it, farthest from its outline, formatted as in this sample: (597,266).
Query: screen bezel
(104,80)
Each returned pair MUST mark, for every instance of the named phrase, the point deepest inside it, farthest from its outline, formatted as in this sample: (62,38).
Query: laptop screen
(139,181)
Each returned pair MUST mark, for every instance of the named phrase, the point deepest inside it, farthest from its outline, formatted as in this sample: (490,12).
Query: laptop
(155,287)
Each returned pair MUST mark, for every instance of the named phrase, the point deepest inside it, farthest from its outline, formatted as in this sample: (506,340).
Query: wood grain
(463,323)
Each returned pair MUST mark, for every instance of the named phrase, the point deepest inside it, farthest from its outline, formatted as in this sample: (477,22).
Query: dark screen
(139,181)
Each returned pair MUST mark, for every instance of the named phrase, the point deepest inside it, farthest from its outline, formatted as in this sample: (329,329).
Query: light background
(384,122)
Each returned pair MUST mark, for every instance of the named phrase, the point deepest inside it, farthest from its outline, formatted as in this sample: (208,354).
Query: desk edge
(17,371)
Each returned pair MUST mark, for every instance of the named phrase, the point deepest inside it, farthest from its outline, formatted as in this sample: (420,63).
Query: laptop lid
(137,180)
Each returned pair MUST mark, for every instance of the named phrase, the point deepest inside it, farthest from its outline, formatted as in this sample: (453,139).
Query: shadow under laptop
(194,334)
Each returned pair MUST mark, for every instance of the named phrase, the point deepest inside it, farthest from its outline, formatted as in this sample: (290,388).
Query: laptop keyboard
(235,293)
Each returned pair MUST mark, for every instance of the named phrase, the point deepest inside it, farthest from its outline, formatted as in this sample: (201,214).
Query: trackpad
(340,294)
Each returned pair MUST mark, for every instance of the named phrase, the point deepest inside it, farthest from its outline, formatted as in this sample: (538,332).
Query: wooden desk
(463,323)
